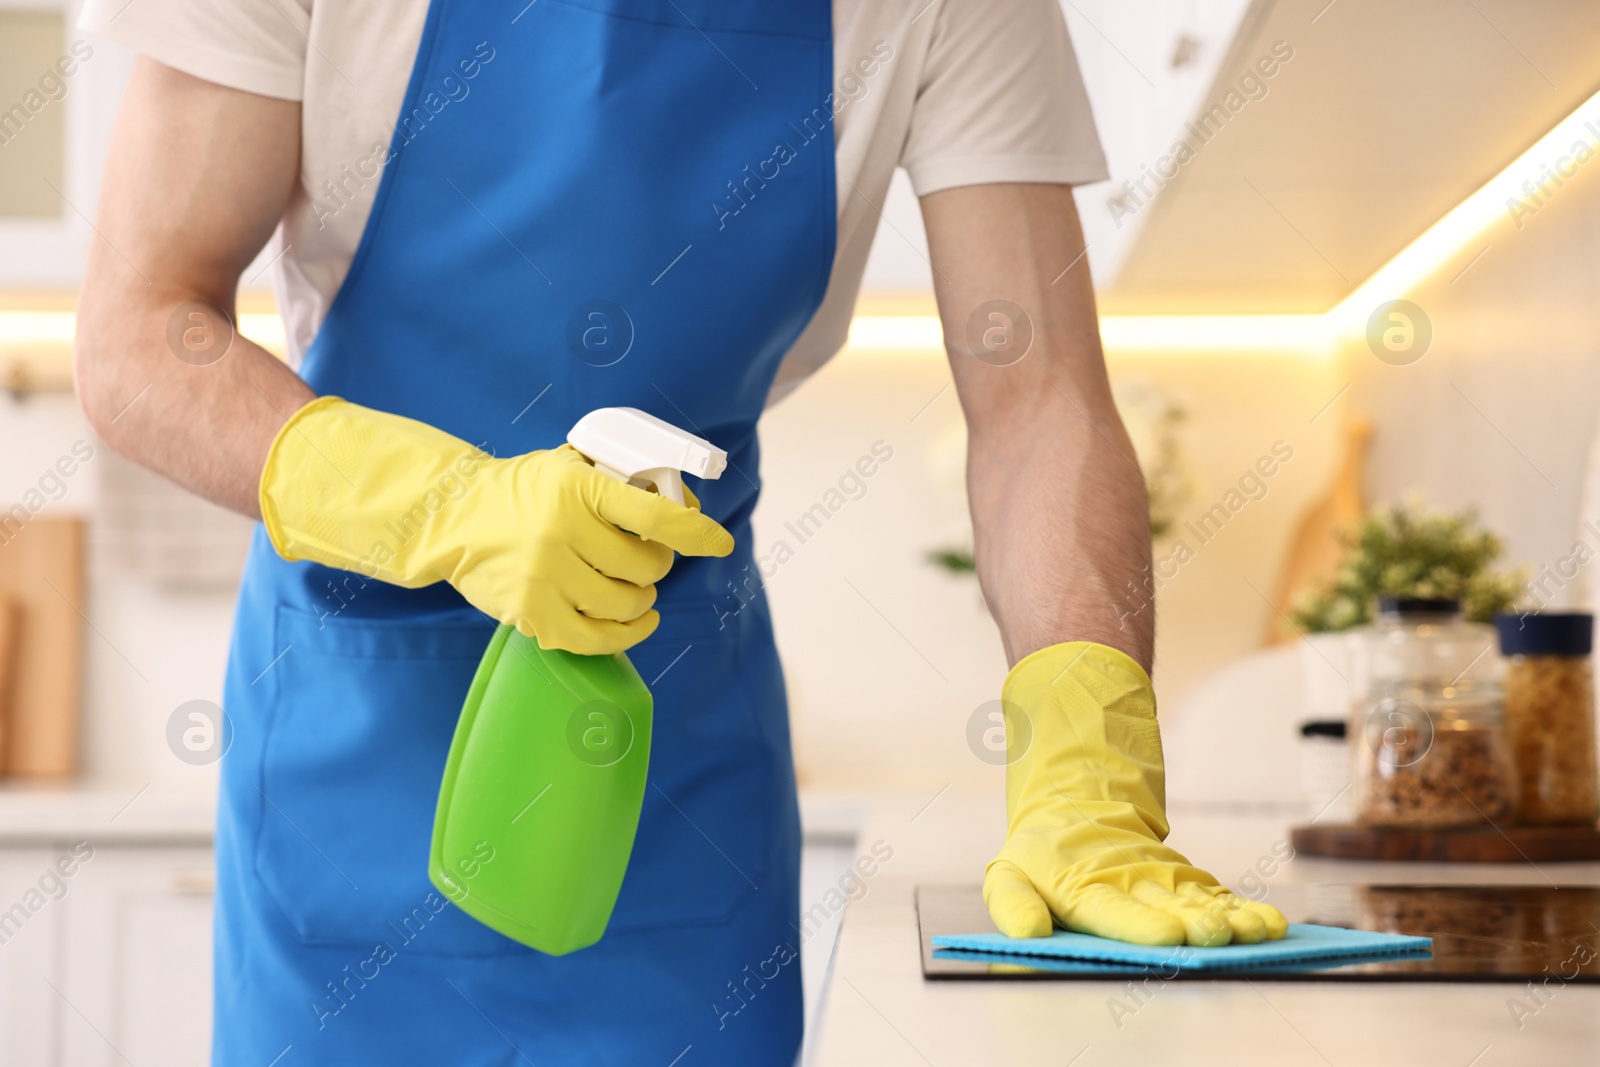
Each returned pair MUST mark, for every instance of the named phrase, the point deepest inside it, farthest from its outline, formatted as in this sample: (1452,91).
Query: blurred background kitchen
(1349,259)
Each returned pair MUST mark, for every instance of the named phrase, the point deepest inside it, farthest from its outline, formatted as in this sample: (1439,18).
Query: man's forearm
(1059,512)
(208,428)
(1060,526)
(202,174)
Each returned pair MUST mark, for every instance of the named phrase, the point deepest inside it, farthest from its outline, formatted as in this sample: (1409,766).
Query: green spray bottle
(546,774)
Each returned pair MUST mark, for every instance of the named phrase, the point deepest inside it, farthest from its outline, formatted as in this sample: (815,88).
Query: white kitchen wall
(1501,410)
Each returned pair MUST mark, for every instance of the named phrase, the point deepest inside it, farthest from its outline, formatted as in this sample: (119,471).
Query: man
(664,204)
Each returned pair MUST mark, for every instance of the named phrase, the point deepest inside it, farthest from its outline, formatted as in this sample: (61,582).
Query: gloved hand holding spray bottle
(552,750)
(550,753)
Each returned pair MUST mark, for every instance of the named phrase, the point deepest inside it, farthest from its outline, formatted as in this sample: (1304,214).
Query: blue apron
(589,203)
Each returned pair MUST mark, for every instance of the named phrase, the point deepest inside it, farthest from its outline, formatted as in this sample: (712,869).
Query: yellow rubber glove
(1084,806)
(539,541)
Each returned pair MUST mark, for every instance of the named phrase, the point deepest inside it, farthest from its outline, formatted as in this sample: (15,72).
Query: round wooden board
(1488,844)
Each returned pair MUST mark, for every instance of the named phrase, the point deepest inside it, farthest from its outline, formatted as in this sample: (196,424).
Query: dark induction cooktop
(1489,933)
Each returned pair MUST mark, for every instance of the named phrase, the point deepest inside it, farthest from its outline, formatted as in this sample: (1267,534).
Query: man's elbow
(101,354)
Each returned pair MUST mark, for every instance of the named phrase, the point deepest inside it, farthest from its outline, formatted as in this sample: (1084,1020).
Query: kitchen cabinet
(114,966)
(105,925)
(136,959)
(27,959)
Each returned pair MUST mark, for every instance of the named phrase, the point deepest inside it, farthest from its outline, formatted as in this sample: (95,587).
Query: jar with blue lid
(1549,707)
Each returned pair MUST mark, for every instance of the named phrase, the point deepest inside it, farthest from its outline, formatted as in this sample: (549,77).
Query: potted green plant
(1404,550)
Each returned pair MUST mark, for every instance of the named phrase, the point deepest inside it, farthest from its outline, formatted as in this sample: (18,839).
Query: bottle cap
(1546,633)
(1418,605)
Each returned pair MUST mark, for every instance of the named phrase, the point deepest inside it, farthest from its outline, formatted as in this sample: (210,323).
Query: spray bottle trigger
(667,480)
(664,480)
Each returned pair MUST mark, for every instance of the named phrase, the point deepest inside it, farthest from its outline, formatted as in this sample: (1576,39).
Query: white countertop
(105,813)
(878,1009)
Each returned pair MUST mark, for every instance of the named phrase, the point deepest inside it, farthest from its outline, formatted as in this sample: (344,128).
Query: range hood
(1330,136)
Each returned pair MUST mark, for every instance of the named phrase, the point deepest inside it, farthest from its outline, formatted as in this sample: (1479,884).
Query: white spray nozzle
(642,450)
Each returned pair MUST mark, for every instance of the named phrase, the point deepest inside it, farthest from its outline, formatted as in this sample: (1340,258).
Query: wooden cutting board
(1315,551)
(41,577)
(8,666)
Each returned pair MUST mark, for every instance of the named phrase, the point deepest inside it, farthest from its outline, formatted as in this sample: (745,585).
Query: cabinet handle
(194,883)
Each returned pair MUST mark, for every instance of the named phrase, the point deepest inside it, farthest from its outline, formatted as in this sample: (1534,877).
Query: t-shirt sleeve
(258,46)
(1001,100)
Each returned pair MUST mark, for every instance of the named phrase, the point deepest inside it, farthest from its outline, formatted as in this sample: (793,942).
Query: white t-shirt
(959,92)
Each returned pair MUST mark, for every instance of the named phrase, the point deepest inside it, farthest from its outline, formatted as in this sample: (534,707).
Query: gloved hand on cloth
(542,541)
(1084,806)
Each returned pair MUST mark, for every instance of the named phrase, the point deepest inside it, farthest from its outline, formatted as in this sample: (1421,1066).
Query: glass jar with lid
(1549,687)
(1431,748)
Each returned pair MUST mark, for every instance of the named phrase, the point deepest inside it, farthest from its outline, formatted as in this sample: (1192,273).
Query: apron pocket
(707,836)
(362,713)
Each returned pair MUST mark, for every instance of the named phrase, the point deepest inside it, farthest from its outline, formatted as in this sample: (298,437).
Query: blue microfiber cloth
(1303,942)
